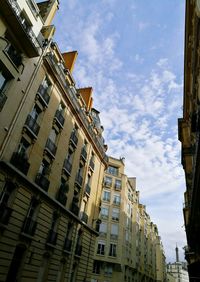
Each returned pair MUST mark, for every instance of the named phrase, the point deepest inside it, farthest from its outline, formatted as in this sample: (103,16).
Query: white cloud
(142,25)
(137,111)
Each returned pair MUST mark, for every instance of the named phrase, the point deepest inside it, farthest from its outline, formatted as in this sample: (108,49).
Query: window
(112,170)
(4,78)
(118,184)
(23,147)
(104,212)
(44,168)
(113,250)
(42,175)
(115,214)
(96,267)
(106,196)
(103,227)
(13,273)
(117,199)
(114,231)
(108,181)
(108,269)
(6,193)
(50,146)
(52,235)
(101,248)
(29,224)
(24,20)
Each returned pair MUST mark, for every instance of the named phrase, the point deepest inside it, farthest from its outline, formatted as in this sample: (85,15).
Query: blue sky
(131,53)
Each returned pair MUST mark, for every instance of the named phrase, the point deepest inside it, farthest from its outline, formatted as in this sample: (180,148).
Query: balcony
(15,57)
(67,245)
(78,250)
(3,99)
(84,217)
(32,126)
(59,119)
(84,154)
(50,148)
(20,26)
(52,237)
(74,139)
(79,180)
(57,68)
(43,96)
(5,213)
(67,167)
(91,165)
(87,189)
(42,181)
(61,197)
(29,226)
(20,162)
(74,208)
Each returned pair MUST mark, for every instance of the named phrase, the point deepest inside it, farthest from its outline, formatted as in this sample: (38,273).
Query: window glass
(112,170)
(115,214)
(103,227)
(108,181)
(118,184)
(114,229)
(117,199)
(106,196)
(104,212)
(101,248)
(113,250)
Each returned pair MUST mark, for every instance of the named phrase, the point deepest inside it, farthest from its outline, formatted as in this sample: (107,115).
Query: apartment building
(128,247)
(52,153)
(189,137)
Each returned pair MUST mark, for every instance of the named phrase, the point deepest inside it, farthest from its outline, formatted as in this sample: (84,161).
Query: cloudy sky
(131,53)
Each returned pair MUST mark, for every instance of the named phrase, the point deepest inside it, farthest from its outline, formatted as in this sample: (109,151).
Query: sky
(131,52)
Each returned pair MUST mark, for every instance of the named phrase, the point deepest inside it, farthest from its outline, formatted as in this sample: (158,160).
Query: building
(189,137)
(129,247)
(177,270)
(52,153)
